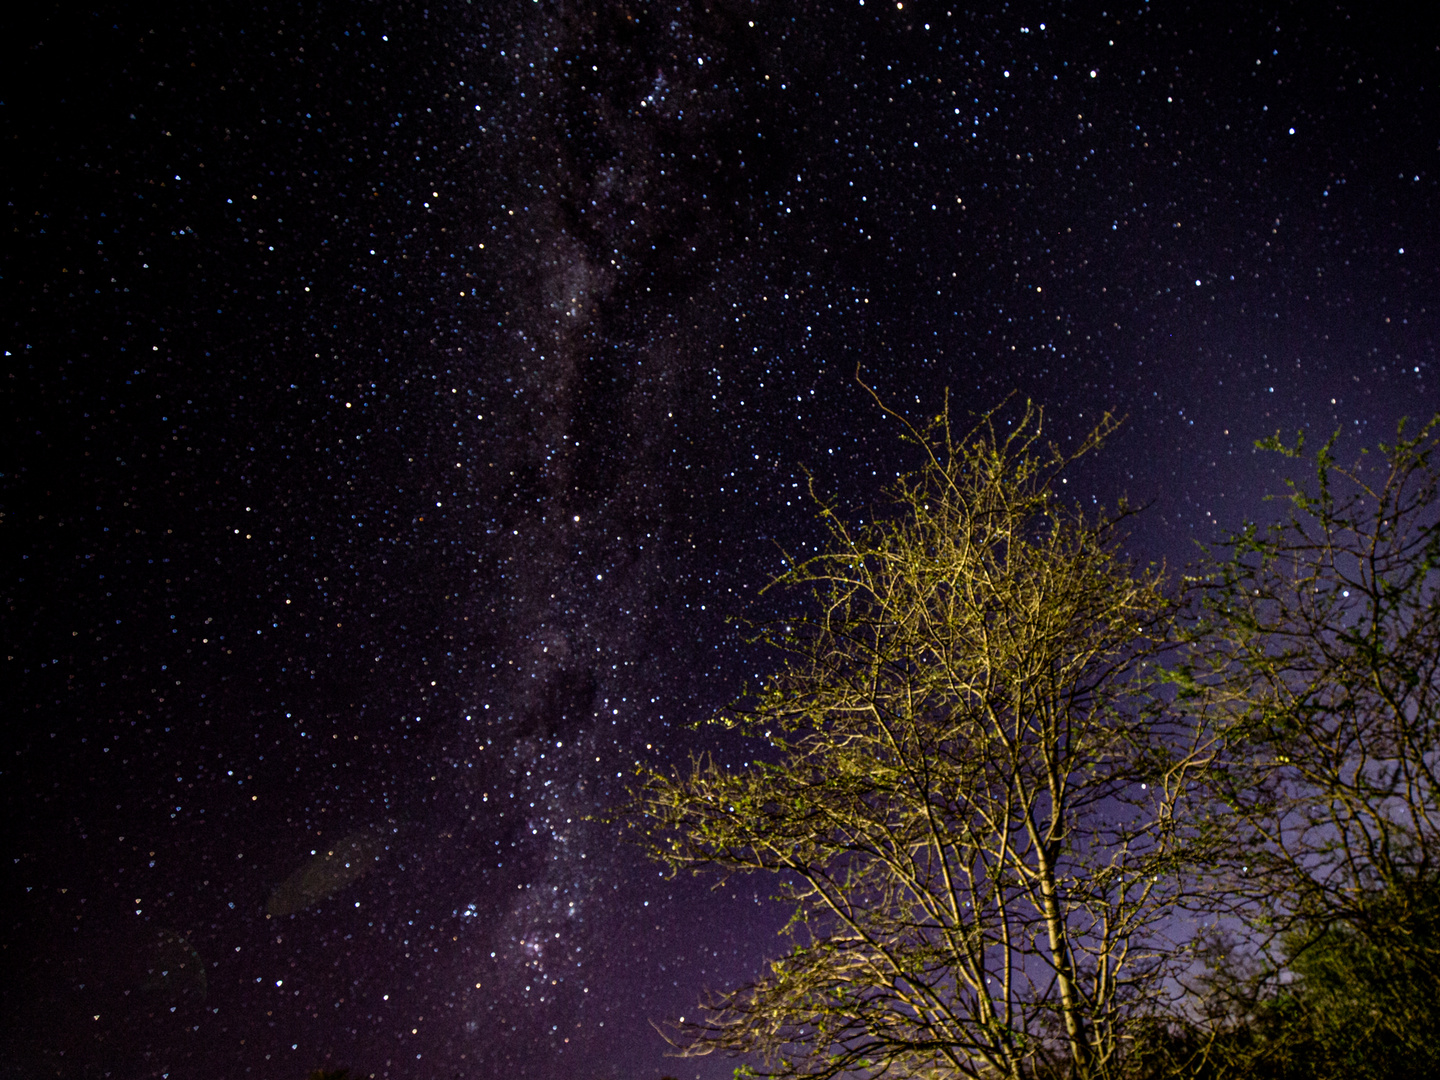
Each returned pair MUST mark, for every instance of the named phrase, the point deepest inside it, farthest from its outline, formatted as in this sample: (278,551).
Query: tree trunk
(1065,978)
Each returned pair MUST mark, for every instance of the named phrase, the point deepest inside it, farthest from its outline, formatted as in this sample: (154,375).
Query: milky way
(406,400)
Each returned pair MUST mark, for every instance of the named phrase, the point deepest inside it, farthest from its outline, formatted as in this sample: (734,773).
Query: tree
(1367,1002)
(962,781)
(1350,1005)
(1322,647)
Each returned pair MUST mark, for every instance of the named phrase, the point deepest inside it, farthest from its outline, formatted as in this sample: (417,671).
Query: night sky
(402,402)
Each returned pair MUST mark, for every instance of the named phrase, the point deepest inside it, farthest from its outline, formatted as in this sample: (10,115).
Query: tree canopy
(1320,640)
(1039,811)
(971,799)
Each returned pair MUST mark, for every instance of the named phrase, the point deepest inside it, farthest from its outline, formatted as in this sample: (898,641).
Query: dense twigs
(1040,814)
(1321,643)
(974,799)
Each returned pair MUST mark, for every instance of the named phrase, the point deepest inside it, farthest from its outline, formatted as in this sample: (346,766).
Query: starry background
(401,401)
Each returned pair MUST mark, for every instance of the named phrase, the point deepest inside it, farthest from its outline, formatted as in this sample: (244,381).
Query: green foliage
(998,766)
(1367,1003)
(1319,649)
(1340,1004)
(1323,644)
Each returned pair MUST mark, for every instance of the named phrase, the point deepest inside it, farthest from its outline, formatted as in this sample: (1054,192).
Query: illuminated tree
(962,782)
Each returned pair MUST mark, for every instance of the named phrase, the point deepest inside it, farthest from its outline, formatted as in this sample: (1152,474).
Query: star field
(404,401)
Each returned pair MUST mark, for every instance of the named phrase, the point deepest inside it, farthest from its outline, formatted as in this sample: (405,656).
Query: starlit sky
(403,400)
